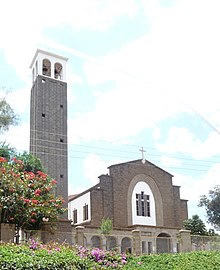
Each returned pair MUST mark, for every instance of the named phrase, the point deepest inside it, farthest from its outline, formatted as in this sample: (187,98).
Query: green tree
(106,228)
(26,197)
(7,115)
(30,162)
(212,206)
(6,150)
(195,225)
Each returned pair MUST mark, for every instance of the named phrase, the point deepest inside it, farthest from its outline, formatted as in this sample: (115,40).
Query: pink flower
(32,220)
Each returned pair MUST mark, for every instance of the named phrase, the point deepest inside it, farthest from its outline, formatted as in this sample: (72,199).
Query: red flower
(27,200)
(17,160)
(3,170)
(30,175)
(2,159)
(43,175)
(34,201)
(37,192)
(54,181)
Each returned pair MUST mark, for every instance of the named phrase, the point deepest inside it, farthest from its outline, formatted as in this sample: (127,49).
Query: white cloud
(93,167)
(73,189)
(176,57)
(181,140)
(18,137)
(24,25)
(192,188)
(19,100)
(156,134)
(167,162)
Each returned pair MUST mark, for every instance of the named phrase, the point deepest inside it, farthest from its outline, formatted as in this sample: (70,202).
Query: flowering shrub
(26,197)
(103,258)
(54,256)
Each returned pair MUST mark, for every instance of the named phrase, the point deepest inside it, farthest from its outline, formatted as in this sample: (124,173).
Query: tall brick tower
(48,117)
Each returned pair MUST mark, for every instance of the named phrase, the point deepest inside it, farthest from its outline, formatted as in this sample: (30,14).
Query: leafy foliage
(191,261)
(7,116)
(106,226)
(212,206)
(53,256)
(25,197)
(195,225)
(30,162)
(6,150)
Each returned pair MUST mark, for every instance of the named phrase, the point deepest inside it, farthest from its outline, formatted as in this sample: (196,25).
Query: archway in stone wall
(96,241)
(126,244)
(111,242)
(163,243)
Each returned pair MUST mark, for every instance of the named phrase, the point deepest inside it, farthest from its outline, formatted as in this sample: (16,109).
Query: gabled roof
(138,161)
(74,196)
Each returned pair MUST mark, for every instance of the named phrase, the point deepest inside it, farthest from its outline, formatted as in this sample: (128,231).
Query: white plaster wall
(142,186)
(78,204)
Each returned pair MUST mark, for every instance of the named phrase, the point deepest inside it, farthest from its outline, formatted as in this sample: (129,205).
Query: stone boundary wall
(136,241)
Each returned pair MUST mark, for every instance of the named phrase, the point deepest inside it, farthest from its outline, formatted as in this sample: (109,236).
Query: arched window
(46,68)
(143,205)
(58,69)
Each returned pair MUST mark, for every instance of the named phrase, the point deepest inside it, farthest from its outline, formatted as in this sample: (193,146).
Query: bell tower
(48,117)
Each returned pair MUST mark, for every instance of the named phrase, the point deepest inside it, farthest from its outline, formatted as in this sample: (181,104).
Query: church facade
(138,197)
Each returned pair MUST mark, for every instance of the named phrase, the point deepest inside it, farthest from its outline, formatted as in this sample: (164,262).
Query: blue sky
(140,74)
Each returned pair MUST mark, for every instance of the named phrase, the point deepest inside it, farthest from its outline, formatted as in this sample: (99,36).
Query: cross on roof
(142,153)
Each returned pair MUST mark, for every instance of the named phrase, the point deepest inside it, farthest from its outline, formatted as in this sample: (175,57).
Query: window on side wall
(85,212)
(75,216)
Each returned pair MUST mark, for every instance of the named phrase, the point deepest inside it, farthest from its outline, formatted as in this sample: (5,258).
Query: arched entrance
(126,244)
(163,243)
(110,242)
(96,242)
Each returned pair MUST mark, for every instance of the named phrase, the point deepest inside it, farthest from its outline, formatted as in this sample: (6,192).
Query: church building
(136,196)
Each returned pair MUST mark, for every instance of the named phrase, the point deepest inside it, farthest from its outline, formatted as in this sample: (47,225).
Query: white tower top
(49,65)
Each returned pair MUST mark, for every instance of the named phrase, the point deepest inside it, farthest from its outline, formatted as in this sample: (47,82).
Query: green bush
(197,260)
(44,258)
(57,257)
